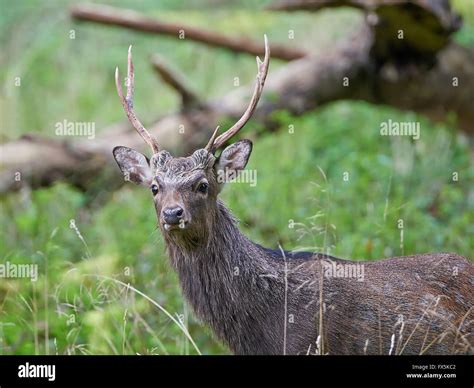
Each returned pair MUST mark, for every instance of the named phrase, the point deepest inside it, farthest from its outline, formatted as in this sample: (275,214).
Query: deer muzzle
(173,218)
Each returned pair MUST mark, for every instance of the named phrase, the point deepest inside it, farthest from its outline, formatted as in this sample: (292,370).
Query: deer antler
(215,143)
(127,103)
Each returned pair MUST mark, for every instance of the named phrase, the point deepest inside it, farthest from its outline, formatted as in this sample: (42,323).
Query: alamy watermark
(33,371)
(333,269)
(400,128)
(244,176)
(11,270)
(75,128)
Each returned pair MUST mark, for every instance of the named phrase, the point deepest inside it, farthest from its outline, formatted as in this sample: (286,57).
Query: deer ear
(232,160)
(135,166)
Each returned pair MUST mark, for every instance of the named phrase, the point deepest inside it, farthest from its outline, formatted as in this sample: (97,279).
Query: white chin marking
(167,226)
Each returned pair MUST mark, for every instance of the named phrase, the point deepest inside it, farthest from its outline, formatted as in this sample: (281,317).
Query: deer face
(184,190)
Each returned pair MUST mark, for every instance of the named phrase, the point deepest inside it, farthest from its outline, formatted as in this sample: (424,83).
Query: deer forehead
(172,169)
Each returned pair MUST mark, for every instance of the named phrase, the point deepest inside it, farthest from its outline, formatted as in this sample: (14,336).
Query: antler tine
(261,76)
(127,103)
(209,145)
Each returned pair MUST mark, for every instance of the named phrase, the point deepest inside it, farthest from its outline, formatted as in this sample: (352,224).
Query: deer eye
(154,189)
(202,188)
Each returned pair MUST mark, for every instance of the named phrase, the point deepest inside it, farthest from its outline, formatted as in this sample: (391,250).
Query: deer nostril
(179,212)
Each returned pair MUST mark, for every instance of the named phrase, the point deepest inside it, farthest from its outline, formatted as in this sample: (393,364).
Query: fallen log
(441,83)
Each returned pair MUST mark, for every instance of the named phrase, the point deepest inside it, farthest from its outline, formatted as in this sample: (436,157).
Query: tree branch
(315,5)
(136,21)
(175,80)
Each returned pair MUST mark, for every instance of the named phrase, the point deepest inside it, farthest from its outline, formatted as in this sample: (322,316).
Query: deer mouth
(170,227)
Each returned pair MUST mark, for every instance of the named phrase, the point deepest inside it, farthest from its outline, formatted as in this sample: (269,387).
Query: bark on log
(426,25)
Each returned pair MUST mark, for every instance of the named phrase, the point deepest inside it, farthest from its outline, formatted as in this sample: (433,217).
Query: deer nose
(172,215)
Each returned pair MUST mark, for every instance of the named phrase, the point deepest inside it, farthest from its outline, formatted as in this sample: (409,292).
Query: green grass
(301,199)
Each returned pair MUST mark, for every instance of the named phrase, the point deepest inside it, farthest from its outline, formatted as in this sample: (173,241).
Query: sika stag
(263,301)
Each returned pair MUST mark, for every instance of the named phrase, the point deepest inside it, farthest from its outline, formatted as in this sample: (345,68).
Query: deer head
(185,189)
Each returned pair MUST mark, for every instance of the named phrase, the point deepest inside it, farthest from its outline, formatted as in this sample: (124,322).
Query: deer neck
(218,276)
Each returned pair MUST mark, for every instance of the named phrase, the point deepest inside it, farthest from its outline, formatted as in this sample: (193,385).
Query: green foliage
(465,8)
(301,198)
(388,179)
